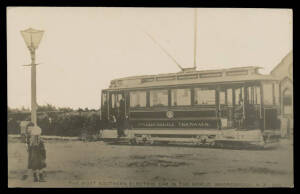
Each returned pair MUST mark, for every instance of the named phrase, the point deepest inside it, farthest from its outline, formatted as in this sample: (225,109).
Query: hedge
(59,124)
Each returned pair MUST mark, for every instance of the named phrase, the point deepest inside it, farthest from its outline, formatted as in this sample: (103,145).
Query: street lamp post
(32,39)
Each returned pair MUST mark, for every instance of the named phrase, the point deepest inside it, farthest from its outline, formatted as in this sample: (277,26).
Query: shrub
(71,123)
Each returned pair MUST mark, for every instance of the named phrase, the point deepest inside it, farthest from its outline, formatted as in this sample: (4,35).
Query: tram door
(239,108)
(252,107)
(271,105)
(226,106)
(246,102)
(118,104)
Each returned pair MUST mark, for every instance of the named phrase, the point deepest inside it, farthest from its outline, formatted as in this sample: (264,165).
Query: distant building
(284,71)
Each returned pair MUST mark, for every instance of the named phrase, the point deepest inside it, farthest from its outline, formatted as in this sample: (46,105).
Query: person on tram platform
(121,118)
(239,114)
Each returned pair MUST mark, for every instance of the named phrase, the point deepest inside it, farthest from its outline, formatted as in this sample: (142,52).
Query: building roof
(285,60)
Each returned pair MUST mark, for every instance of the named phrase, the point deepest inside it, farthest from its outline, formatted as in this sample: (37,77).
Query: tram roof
(191,76)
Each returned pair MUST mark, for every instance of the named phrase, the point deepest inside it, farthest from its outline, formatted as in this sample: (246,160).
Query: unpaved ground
(96,164)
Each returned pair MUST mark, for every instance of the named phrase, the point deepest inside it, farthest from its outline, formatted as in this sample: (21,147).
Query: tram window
(254,95)
(181,97)
(276,93)
(229,96)
(257,95)
(104,98)
(287,102)
(138,99)
(268,93)
(222,99)
(119,97)
(205,96)
(251,95)
(113,100)
(159,98)
(239,96)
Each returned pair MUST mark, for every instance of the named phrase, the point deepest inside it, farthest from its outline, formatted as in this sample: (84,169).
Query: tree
(65,109)
(45,108)
(9,110)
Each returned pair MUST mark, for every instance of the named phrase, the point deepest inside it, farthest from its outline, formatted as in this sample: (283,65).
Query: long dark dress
(37,156)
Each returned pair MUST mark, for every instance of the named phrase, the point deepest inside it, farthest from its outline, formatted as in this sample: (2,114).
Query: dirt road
(96,164)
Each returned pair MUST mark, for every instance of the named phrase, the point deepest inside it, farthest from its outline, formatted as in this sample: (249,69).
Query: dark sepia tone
(140,97)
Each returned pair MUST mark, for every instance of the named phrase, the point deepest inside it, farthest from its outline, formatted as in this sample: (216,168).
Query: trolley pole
(195,38)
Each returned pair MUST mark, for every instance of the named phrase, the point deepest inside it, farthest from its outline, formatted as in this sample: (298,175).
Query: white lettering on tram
(174,124)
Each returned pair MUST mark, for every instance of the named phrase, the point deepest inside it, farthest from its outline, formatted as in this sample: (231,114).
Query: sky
(83,49)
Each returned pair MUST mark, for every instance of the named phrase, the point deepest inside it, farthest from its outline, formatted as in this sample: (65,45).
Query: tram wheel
(196,140)
(132,141)
(212,144)
(219,145)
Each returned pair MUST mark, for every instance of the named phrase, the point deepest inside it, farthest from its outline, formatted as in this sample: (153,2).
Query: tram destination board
(175,124)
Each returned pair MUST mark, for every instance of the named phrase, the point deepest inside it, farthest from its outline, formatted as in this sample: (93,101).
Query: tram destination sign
(175,124)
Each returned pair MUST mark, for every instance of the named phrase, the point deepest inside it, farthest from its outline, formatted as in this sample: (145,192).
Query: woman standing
(37,156)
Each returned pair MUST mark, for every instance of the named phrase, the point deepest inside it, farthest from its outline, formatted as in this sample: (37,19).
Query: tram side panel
(172,122)
(194,120)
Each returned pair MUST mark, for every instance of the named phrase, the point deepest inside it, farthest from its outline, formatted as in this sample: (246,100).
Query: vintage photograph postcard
(150,97)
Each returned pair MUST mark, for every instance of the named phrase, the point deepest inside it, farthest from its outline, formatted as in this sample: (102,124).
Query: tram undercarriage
(214,138)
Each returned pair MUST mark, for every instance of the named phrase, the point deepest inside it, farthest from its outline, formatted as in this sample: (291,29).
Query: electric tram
(212,107)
